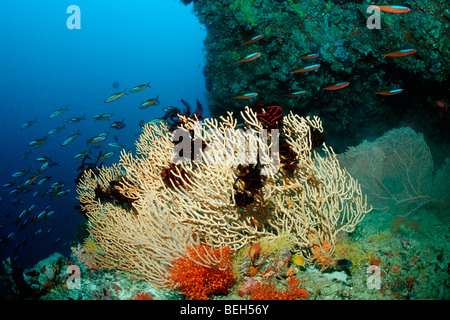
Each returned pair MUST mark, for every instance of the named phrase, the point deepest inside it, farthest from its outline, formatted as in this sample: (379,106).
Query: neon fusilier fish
(310,56)
(96,139)
(389,92)
(104,116)
(297,94)
(38,232)
(43,159)
(400,53)
(140,87)
(253,40)
(56,130)
(8,184)
(148,103)
(337,86)
(246,96)
(37,142)
(75,120)
(58,112)
(250,57)
(80,155)
(20,173)
(107,155)
(307,69)
(43,180)
(57,184)
(31,180)
(118,125)
(394,9)
(115,96)
(71,138)
(115,145)
(27,124)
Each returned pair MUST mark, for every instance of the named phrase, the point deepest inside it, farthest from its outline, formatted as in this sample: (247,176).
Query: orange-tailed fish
(400,53)
(250,57)
(337,86)
(246,96)
(394,9)
(115,96)
(140,87)
(307,69)
(147,103)
(310,56)
(297,94)
(253,40)
(58,112)
(27,124)
(71,138)
(390,92)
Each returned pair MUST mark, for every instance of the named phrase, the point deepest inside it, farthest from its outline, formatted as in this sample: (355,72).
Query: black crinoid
(174,174)
(288,157)
(172,116)
(248,184)
(271,118)
(86,166)
(317,137)
(113,195)
(248,195)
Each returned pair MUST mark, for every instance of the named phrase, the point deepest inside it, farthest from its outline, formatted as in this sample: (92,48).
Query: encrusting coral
(221,197)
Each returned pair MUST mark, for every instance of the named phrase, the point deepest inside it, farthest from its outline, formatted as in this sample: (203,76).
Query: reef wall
(348,51)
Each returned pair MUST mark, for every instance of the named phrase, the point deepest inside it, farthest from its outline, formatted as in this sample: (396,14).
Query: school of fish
(30,183)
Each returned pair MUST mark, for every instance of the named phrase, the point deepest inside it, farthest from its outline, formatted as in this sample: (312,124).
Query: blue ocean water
(46,66)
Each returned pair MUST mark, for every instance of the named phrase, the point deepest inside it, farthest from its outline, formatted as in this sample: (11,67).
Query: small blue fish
(115,96)
(58,112)
(71,138)
(140,87)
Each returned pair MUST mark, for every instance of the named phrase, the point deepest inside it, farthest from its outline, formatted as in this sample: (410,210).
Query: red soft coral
(268,291)
(198,282)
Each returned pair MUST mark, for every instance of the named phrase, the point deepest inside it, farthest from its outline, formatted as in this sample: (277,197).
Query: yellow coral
(353,251)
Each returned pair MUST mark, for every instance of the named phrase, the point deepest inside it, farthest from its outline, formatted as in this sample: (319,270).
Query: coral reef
(315,200)
(346,49)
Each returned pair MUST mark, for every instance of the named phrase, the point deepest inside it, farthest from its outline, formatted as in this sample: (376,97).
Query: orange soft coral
(199,282)
(268,291)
